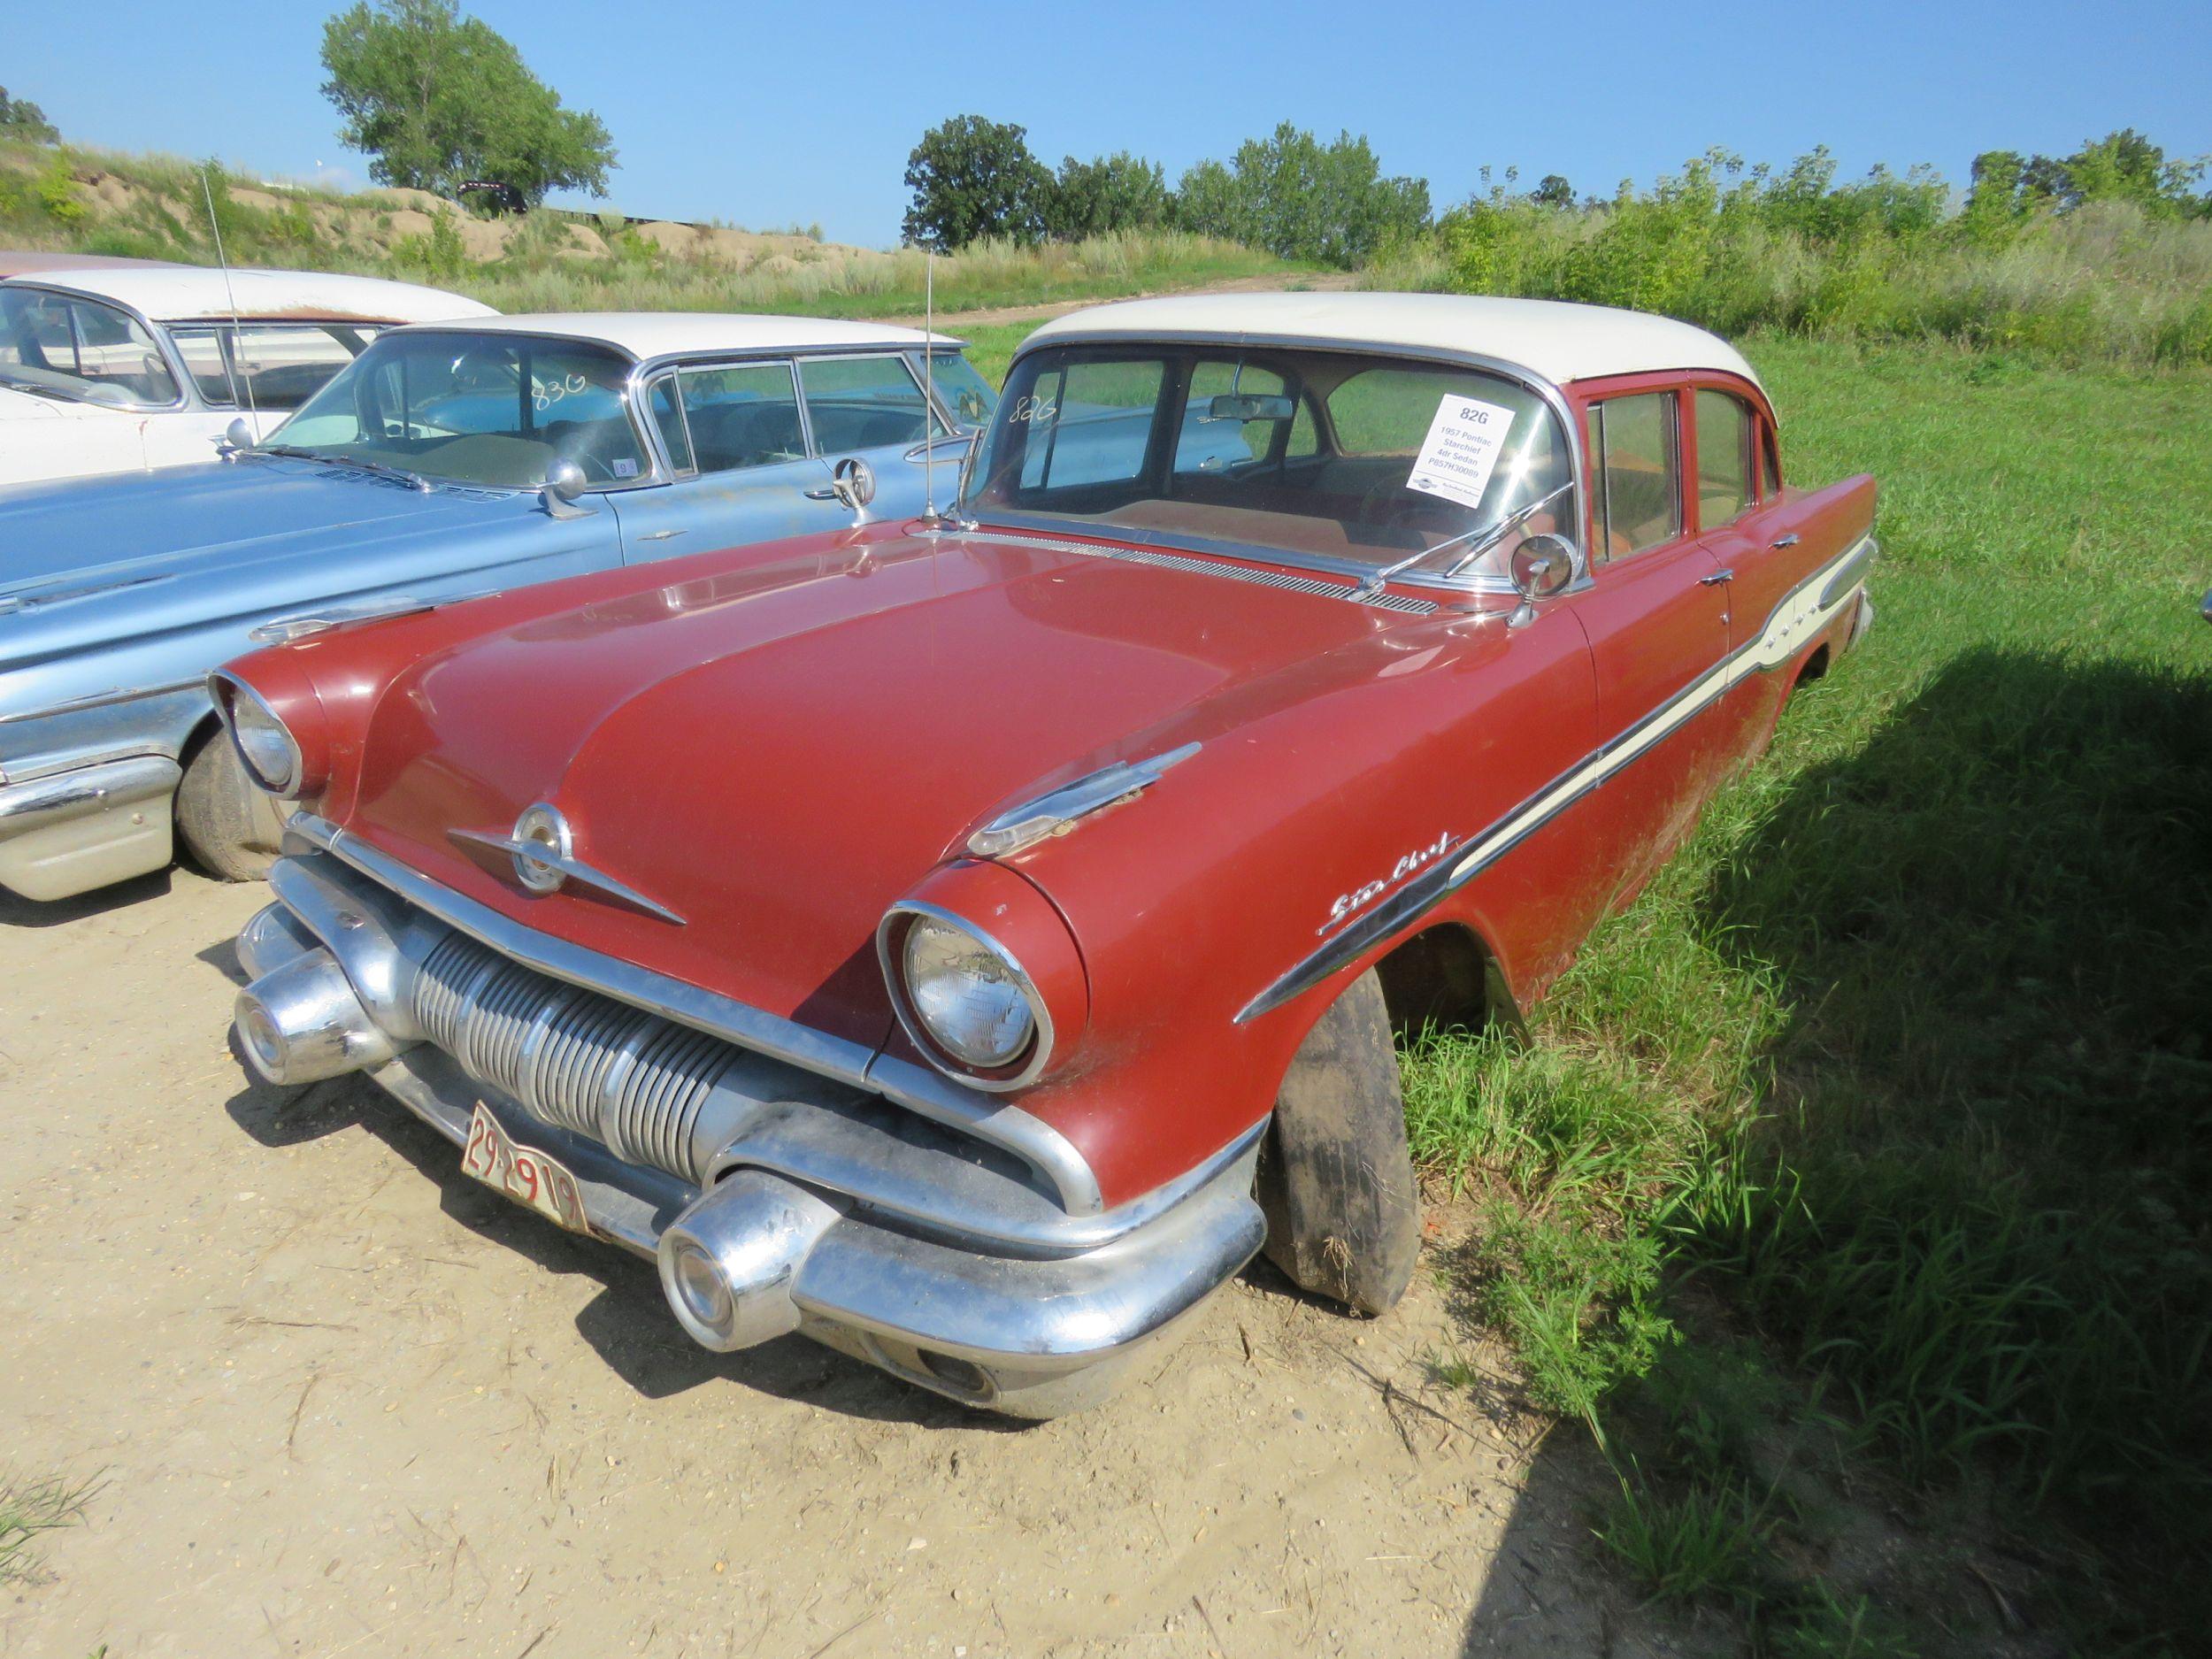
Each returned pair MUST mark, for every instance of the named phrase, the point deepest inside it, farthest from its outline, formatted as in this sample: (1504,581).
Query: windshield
(65,346)
(1337,456)
(494,408)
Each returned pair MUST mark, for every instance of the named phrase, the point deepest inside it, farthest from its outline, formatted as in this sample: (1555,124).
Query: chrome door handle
(661,536)
(1783,540)
(1716,578)
(824,493)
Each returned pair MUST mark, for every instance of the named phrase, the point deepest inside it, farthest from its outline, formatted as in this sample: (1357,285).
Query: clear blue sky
(767,115)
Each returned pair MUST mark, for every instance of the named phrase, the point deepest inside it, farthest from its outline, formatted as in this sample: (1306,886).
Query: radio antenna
(237,328)
(929,388)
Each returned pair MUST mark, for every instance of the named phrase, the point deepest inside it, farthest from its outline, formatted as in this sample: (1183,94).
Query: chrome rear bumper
(773,1199)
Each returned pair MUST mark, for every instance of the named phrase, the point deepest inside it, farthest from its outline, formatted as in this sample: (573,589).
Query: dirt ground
(338,1400)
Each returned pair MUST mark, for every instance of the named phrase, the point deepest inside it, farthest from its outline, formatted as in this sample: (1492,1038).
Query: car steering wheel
(1379,503)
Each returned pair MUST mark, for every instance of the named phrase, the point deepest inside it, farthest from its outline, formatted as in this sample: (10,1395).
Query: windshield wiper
(292,451)
(1484,540)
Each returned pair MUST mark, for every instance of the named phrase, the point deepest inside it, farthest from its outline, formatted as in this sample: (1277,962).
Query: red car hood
(776,747)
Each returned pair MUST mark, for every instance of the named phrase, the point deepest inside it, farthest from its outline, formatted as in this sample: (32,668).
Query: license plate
(524,1173)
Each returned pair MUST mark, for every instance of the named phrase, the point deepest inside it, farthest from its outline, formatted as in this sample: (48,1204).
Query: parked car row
(959,917)
(450,458)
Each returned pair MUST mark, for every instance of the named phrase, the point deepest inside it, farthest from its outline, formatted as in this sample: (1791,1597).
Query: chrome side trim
(1208,566)
(40,801)
(284,630)
(1057,812)
(103,699)
(1029,1139)
(1794,619)
(1852,572)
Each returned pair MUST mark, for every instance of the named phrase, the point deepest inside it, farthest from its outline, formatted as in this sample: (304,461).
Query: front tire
(232,828)
(1335,1178)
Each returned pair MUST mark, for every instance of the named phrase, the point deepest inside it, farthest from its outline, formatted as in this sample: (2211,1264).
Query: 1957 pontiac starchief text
(969,940)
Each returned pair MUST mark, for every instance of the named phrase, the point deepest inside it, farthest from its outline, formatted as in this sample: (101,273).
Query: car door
(1656,616)
(741,472)
(1770,544)
(869,407)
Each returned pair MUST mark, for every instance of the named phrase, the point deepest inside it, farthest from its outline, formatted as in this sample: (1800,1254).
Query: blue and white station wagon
(447,460)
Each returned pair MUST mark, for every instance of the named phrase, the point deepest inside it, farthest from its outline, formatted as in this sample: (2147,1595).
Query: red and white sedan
(969,940)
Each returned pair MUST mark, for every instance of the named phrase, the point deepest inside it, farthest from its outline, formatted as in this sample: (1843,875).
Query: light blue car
(447,460)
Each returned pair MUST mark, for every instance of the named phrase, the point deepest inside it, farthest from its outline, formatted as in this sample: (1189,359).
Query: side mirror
(238,435)
(855,482)
(1542,566)
(564,481)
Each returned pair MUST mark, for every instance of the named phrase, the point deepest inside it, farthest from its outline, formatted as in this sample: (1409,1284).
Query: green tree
(2122,166)
(439,101)
(973,178)
(1116,192)
(1301,199)
(1553,190)
(24,121)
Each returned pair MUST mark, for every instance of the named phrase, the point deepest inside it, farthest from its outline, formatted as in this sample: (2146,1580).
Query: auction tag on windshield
(1462,449)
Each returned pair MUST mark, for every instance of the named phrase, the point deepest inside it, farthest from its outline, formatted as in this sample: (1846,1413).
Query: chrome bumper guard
(70,831)
(773,1199)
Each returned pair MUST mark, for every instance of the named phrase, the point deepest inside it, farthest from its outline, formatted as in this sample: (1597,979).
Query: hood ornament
(543,849)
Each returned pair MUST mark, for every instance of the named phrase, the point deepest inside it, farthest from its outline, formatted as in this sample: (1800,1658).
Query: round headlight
(273,759)
(974,1002)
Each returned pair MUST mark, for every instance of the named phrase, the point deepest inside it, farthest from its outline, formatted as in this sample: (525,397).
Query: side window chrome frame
(636,394)
(187,390)
(1601,487)
(892,354)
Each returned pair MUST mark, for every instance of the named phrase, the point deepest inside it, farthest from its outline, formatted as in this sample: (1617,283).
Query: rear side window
(1638,471)
(862,403)
(1723,458)
(744,415)
(267,365)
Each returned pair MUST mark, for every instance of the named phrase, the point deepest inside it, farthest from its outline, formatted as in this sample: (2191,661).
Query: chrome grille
(635,1082)
(1315,585)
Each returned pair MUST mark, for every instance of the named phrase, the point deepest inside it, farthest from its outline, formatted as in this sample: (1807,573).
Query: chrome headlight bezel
(1026,1063)
(241,705)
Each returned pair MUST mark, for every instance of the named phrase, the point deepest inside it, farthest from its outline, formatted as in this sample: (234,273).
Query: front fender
(1315,798)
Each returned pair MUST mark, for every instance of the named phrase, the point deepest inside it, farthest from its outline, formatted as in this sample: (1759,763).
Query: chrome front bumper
(774,1198)
(69,831)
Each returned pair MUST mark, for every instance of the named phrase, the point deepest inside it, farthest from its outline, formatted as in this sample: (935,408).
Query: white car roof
(662,334)
(1558,340)
(177,294)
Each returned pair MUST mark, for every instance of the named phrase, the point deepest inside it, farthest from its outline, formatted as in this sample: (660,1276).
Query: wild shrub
(2103,255)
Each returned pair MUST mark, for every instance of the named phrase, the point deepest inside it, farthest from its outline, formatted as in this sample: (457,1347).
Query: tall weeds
(1883,259)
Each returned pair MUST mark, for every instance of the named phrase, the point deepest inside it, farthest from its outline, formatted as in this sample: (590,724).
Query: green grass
(30,1509)
(1903,1059)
